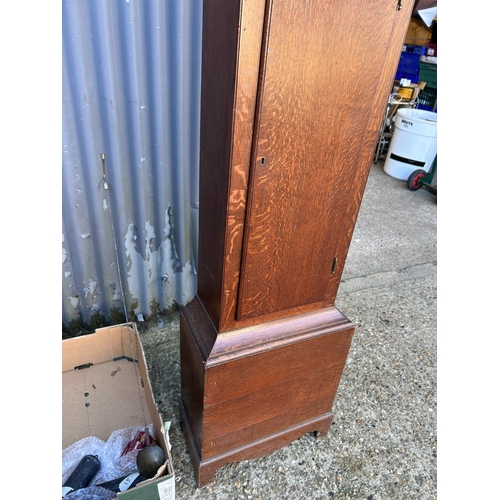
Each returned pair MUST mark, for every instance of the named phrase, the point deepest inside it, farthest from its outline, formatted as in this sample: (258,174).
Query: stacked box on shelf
(432,50)
(409,62)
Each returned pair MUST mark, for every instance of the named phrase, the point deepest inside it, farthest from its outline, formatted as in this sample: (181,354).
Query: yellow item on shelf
(406,92)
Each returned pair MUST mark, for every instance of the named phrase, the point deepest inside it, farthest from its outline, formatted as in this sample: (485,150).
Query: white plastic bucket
(414,143)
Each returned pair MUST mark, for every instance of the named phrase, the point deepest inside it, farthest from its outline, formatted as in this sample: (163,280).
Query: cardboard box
(106,387)
(418,33)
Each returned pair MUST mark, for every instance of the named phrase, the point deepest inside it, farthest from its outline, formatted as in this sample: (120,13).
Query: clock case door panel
(319,108)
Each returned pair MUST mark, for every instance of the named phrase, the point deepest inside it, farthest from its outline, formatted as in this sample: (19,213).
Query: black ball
(149,460)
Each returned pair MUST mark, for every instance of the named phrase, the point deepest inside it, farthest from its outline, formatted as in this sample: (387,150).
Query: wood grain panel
(276,377)
(259,429)
(392,50)
(192,381)
(268,402)
(277,366)
(321,81)
(218,74)
(205,469)
(247,78)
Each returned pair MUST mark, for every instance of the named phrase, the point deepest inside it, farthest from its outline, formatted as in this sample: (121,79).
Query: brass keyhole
(334,265)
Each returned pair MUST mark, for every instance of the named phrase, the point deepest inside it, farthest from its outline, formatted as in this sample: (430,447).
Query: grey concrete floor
(383,440)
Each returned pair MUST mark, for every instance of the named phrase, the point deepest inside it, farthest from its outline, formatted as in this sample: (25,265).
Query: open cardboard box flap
(106,387)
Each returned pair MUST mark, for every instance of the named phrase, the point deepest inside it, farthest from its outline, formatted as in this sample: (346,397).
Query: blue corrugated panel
(131,90)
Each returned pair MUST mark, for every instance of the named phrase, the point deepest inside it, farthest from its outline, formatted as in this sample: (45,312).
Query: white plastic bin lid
(418,115)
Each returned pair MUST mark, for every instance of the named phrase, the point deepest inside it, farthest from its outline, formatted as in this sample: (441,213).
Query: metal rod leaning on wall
(106,188)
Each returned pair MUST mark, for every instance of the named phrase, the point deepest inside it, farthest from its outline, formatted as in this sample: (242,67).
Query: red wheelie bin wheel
(413,181)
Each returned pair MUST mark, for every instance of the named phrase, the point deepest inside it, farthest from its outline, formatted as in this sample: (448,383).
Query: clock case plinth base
(249,392)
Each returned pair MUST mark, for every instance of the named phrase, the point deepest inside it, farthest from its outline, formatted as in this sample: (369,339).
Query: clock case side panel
(392,50)
(231,55)
(218,77)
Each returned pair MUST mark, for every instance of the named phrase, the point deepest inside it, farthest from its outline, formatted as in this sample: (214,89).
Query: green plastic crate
(427,99)
(428,73)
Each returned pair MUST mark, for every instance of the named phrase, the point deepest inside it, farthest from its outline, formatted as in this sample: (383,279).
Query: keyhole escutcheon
(334,265)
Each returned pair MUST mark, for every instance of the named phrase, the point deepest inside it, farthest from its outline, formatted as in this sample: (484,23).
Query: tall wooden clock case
(293,94)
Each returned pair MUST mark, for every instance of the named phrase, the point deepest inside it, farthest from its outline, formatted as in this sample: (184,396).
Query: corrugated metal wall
(131,91)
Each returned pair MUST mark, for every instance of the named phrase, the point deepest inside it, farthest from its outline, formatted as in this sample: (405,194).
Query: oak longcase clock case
(293,94)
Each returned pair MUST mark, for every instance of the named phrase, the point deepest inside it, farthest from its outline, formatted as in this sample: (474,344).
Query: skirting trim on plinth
(205,469)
